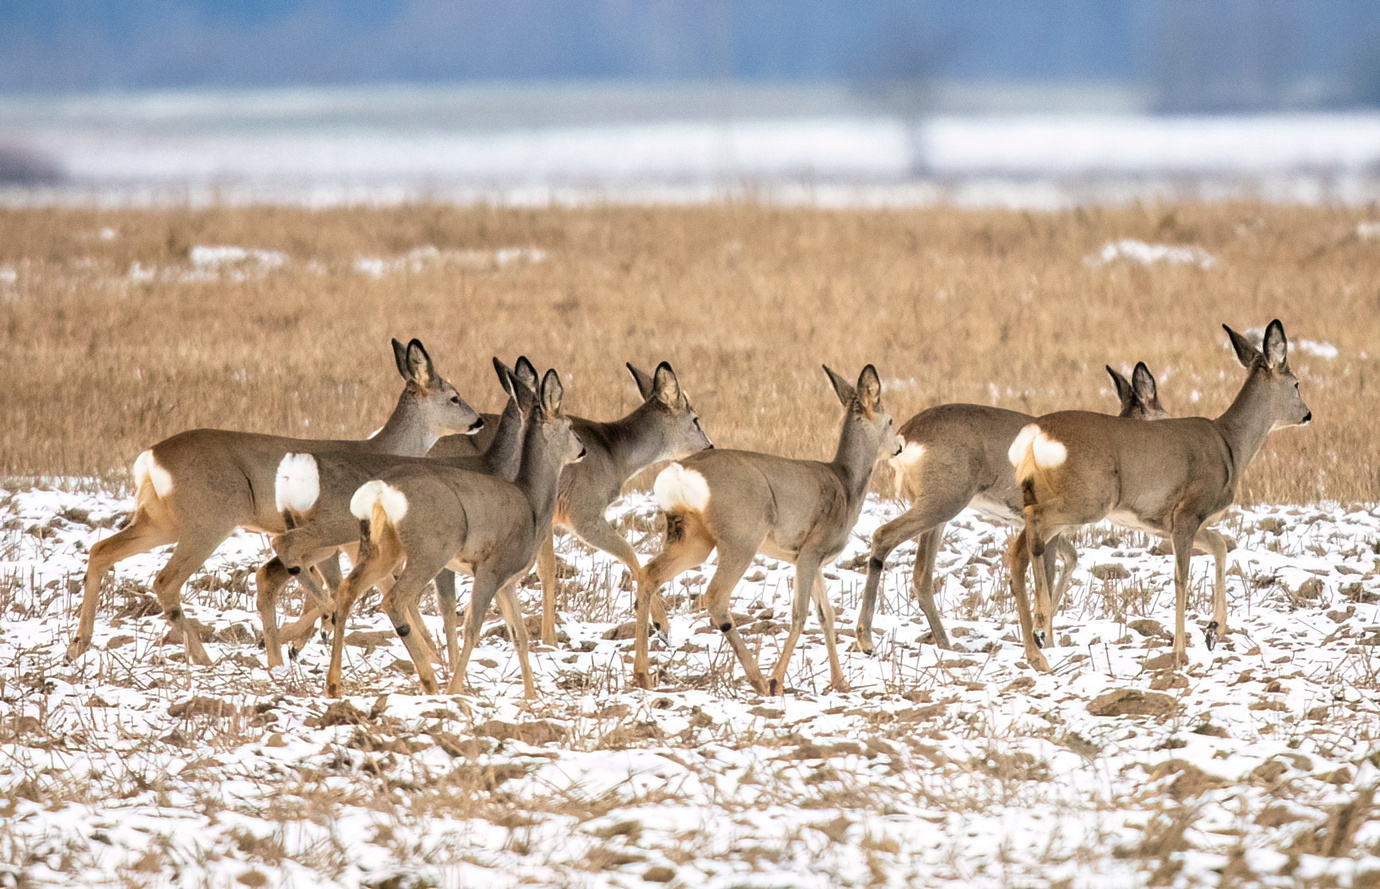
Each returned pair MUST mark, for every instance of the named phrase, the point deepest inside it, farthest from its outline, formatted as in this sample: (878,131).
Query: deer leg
(806,567)
(367,572)
(1210,541)
(400,604)
(826,621)
(733,564)
(189,554)
(270,579)
(546,572)
(1017,560)
(517,630)
(922,583)
(136,537)
(598,533)
(486,583)
(687,545)
(1063,551)
(1183,531)
(445,600)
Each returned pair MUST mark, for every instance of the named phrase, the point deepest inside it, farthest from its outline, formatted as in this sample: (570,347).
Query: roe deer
(955,457)
(664,427)
(1166,478)
(420,518)
(313,492)
(743,503)
(195,488)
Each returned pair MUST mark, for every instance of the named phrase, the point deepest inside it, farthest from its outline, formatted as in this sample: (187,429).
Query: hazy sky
(1311,52)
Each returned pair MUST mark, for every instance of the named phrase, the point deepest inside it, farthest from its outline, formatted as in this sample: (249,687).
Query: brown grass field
(101,357)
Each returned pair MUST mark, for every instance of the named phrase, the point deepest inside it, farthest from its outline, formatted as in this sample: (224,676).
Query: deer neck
(504,456)
(633,442)
(1246,423)
(539,475)
(854,461)
(406,433)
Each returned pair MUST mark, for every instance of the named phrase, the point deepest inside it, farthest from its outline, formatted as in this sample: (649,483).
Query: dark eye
(455,399)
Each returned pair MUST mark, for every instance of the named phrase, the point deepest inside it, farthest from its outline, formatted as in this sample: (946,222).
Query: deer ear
(1246,353)
(842,387)
(869,389)
(665,385)
(551,393)
(1124,392)
(400,358)
(1143,382)
(1276,346)
(419,367)
(525,373)
(525,395)
(643,381)
(505,377)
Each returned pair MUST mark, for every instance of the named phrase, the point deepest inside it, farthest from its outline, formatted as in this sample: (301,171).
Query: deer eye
(455,399)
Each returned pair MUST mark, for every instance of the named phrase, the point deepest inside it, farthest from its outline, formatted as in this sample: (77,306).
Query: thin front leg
(1215,544)
(546,573)
(517,630)
(826,620)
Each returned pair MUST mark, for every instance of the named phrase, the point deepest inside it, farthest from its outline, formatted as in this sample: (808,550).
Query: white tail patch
(677,487)
(1048,452)
(1021,445)
(912,452)
(393,501)
(298,483)
(147,469)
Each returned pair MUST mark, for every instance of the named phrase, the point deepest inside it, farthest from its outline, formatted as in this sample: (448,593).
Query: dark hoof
(262,646)
(775,687)
(1039,636)
(292,652)
(325,637)
(295,570)
(1210,635)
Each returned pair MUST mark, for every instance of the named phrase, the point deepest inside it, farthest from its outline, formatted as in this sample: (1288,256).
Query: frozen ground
(1256,765)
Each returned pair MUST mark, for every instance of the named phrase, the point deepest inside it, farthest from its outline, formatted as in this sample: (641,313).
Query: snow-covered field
(1256,764)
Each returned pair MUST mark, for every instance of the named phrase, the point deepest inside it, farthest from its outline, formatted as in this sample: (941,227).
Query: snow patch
(1149,254)
(420,259)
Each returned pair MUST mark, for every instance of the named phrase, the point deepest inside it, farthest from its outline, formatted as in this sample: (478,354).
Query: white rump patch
(393,501)
(1048,452)
(677,487)
(1021,445)
(911,453)
(298,483)
(147,469)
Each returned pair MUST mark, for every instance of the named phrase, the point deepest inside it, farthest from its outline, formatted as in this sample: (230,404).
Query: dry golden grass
(745,300)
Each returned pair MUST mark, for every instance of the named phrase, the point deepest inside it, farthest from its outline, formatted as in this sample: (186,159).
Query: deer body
(319,521)
(955,457)
(663,427)
(195,488)
(1168,477)
(742,503)
(419,518)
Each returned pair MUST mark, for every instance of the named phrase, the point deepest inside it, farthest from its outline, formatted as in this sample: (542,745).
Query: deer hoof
(293,651)
(1210,635)
(775,687)
(1039,636)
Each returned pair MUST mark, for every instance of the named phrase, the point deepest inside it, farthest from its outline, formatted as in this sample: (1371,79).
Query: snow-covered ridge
(939,768)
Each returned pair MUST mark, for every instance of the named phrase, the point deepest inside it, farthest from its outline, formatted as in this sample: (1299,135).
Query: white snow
(1148,254)
(419,259)
(958,767)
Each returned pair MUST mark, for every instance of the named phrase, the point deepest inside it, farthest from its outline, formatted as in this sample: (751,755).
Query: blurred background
(1035,103)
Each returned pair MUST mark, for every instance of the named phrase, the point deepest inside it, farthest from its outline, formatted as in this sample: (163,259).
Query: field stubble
(116,334)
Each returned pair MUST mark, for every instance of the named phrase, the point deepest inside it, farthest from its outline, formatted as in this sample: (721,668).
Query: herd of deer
(411,504)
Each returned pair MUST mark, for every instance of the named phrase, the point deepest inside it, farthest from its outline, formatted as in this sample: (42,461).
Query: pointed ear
(505,377)
(1143,382)
(1246,353)
(525,373)
(400,358)
(1124,393)
(1276,347)
(419,368)
(869,389)
(551,393)
(665,386)
(644,382)
(842,388)
(525,395)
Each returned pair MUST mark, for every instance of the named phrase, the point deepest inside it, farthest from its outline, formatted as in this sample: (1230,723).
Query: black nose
(1308,417)
(477,425)
(582,453)
(710,446)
